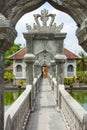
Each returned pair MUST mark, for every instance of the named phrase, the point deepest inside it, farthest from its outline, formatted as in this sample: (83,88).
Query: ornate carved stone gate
(44,45)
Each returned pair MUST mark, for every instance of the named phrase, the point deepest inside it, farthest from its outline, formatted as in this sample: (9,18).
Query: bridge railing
(74,114)
(17,115)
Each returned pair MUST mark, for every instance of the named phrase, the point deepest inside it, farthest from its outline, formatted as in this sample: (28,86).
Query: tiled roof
(20,54)
(70,55)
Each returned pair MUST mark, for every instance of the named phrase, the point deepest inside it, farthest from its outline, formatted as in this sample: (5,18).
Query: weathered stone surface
(82,35)
(44,17)
(29,59)
(2,2)
(14,10)
(7,34)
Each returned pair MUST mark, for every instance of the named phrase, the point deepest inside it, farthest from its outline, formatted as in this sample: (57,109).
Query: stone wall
(17,115)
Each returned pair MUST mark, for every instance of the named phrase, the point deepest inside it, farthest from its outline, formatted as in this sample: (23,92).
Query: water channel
(10,97)
(81,97)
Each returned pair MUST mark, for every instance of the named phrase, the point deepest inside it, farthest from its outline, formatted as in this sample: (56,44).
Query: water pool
(81,97)
(10,96)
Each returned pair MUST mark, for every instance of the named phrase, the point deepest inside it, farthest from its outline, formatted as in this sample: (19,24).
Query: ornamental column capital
(29,58)
(60,58)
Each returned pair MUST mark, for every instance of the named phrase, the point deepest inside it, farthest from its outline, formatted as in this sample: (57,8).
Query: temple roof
(71,55)
(20,54)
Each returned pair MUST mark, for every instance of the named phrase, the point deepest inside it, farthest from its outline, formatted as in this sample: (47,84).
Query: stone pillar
(53,65)
(60,59)
(36,65)
(7,36)
(39,71)
(29,59)
(29,42)
(50,69)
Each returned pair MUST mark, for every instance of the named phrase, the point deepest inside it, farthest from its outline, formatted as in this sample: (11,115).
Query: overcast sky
(70,27)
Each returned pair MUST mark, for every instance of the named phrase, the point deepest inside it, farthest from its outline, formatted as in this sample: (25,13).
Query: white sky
(71,42)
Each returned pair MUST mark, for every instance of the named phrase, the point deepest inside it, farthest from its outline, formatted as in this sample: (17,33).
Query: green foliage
(20,83)
(9,52)
(8,75)
(67,81)
(82,64)
(82,76)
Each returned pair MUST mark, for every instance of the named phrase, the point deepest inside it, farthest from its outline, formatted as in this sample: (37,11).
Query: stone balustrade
(53,83)
(74,114)
(16,116)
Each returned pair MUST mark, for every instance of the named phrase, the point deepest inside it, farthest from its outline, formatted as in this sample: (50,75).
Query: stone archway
(44,43)
(14,10)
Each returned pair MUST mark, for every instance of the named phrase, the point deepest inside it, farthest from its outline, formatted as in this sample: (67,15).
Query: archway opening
(71,41)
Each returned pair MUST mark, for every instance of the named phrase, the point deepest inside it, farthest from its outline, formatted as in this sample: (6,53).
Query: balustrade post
(60,59)
(30,59)
(36,68)
(53,64)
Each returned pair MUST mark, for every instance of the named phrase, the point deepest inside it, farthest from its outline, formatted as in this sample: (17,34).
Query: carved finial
(44,17)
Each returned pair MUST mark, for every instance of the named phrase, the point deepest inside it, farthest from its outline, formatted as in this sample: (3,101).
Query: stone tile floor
(46,116)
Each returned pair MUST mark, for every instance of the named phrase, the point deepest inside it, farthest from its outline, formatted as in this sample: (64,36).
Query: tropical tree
(82,64)
(8,75)
(9,52)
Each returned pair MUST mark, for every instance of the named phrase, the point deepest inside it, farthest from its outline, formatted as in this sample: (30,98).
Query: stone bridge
(11,11)
(36,108)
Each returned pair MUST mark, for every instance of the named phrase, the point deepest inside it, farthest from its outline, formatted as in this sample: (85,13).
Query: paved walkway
(45,116)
